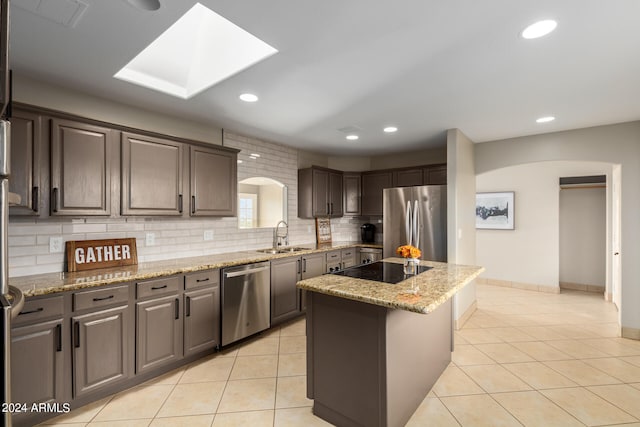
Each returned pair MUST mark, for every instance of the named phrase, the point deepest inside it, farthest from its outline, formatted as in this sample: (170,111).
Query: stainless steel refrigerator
(416,216)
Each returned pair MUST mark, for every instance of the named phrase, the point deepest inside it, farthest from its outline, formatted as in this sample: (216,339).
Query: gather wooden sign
(94,254)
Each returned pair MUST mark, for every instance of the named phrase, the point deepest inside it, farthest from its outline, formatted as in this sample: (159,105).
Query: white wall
(583,236)
(616,144)
(34,92)
(529,254)
(461,235)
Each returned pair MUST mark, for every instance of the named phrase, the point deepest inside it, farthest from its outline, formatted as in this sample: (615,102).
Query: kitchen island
(375,349)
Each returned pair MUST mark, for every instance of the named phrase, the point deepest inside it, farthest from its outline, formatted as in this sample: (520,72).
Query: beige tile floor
(524,358)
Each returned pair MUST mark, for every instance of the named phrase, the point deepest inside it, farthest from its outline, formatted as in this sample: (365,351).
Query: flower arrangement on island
(408,251)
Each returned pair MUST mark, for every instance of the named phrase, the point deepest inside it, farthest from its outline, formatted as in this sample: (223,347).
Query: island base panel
(369,365)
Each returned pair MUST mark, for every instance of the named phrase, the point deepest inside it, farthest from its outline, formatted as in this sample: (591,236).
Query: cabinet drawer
(204,278)
(100,297)
(348,253)
(39,309)
(333,256)
(153,288)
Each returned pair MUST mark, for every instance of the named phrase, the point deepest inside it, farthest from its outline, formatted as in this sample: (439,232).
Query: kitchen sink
(280,251)
(291,249)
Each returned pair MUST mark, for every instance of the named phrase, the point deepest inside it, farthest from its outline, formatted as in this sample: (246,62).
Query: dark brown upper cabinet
(26,134)
(152,176)
(435,175)
(372,185)
(319,192)
(213,182)
(407,177)
(352,193)
(81,162)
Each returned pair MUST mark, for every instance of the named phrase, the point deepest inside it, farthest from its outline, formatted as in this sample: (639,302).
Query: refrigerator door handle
(416,225)
(408,222)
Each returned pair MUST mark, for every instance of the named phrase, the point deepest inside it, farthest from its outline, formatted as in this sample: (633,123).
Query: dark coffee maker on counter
(368,233)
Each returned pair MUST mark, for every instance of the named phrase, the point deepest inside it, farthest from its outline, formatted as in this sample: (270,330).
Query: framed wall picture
(495,211)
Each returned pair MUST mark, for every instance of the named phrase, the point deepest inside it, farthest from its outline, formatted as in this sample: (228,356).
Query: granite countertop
(422,293)
(44,284)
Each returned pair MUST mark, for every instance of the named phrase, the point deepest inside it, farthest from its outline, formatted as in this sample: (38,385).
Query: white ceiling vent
(63,12)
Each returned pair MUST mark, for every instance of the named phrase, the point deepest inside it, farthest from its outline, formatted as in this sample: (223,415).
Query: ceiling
(424,66)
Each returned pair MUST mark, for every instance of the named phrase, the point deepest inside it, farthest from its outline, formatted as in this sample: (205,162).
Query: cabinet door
(285,273)
(407,178)
(335,194)
(152,181)
(435,175)
(201,320)
(80,168)
(37,363)
(158,333)
(25,162)
(214,182)
(372,186)
(349,258)
(101,349)
(313,265)
(320,193)
(351,193)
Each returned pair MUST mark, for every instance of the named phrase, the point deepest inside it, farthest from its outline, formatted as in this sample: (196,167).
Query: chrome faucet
(279,237)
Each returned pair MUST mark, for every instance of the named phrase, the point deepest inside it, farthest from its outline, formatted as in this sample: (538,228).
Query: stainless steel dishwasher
(246,297)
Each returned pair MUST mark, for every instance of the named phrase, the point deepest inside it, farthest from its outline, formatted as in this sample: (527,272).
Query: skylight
(199,50)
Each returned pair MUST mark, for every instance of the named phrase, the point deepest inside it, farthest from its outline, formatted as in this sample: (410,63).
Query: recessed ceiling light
(254,155)
(352,137)
(239,161)
(248,97)
(390,129)
(539,29)
(217,49)
(546,119)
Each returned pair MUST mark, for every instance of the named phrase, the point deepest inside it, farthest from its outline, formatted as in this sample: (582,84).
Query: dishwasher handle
(245,272)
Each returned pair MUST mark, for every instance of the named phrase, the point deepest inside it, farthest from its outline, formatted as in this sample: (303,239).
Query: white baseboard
(459,323)
(518,285)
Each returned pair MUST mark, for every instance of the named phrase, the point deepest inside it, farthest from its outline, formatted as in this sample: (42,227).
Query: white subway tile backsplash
(22,261)
(16,241)
(35,229)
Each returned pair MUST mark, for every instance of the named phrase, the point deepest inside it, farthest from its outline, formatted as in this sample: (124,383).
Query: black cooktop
(380,271)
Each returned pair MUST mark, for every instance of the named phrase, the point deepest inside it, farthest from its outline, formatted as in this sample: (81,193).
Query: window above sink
(262,202)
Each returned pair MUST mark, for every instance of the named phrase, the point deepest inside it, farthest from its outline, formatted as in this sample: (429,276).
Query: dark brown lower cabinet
(37,369)
(313,265)
(285,302)
(158,332)
(100,349)
(201,320)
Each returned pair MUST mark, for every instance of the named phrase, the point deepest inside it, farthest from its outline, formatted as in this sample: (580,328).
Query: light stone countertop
(44,284)
(422,293)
